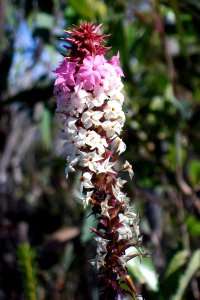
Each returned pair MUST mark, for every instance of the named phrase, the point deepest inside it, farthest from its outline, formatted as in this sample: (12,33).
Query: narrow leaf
(193,267)
(178,260)
(45,129)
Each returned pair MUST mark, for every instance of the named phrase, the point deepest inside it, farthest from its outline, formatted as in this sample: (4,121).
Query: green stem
(25,258)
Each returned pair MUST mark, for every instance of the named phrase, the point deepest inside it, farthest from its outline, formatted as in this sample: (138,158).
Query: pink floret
(65,73)
(114,61)
(92,71)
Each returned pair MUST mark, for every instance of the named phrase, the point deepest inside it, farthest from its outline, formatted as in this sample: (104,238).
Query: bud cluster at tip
(84,41)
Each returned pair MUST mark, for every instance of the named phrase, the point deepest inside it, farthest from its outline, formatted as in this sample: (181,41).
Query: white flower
(120,196)
(119,183)
(69,147)
(132,218)
(69,169)
(92,139)
(101,245)
(105,167)
(86,198)
(115,94)
(119,85)
(120,118)
(98,261)
(136,234)
(125,232)
(91,117)
(71,162)
(97,98)
(62,100)
(123,219)
(88,159)
(99,143)
(127,167)
(78,102)
(118,145)
(86,137)
(105,207)
(69,127)
(111,128)
(61,116)
(112,109)
(129,218)
(86,181)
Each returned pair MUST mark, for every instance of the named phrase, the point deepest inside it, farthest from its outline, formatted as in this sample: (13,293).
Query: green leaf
(45,129)
(44,20)
(193,225)
(68,257)
(86,234)
(194,171)
(89,9)
(125,288)
(144,272)
(26,264)
(128,293)
(193,267)
(195,3)
(196,94)
(82,8)
(178,260)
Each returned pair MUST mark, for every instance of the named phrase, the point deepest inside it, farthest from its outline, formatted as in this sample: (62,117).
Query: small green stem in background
(25,259)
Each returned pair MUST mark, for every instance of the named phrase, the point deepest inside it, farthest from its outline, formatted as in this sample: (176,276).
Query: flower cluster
(89,104)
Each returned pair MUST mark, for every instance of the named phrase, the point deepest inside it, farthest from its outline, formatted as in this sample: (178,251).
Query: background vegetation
(45,243)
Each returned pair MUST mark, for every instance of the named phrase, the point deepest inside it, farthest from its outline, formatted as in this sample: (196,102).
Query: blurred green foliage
(25,258)
(159,44)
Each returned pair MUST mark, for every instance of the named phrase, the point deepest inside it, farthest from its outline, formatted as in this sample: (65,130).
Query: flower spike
(88,89)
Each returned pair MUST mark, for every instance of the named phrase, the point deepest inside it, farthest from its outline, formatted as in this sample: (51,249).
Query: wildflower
(86,198)
(127,167)
(85,181)
(111,128)
(92,71)
(90,118)
(89,160)
(89,96)
(115,62)
(112,109)
(118,145)
(105,207)
(65,73)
